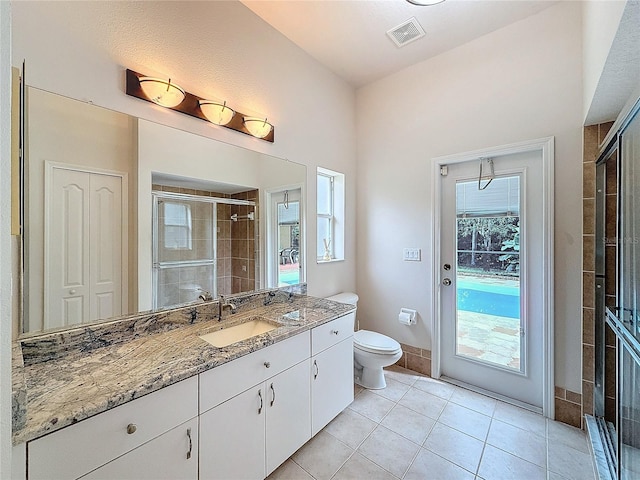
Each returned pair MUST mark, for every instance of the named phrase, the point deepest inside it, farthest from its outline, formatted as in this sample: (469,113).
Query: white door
(288,405)
(232,438)
(331,383)
(492,275)
(84,251)
(285,239)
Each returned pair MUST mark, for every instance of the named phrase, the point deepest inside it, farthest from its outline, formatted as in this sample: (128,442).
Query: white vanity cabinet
(173,455)
(79,449)
(331,370)
(250,434)
(239,420)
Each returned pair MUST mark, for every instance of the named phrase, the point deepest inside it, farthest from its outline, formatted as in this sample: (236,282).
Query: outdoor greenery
(489,244)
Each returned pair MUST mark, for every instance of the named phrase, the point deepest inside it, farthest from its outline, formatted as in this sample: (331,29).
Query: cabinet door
(172,455)
(331,383)
(232,438)
(288,403)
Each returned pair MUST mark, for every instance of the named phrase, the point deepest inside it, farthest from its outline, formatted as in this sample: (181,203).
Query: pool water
(500,300)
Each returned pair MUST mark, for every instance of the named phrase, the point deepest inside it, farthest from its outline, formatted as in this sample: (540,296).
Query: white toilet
(371,351)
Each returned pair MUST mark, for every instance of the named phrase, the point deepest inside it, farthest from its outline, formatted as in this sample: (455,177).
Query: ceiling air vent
(406,32)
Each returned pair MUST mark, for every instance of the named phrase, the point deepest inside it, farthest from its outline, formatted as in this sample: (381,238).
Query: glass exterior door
(488,319)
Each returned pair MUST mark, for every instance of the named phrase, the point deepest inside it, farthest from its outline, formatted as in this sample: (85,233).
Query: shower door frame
(155,264)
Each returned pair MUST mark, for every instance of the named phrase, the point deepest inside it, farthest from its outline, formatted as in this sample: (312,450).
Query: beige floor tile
(455,446)
(499,465)
(429,465)
(394,390)
(434,387)
(558,432)
(400,374)
(521,418)
(465,420)
(359,467)
(474,401)
(322,456)
(357,389)
(289,470)
(518,442)
(351,428)
(389,450)
(570,463)
(408,423)
(371,405)
(423,403)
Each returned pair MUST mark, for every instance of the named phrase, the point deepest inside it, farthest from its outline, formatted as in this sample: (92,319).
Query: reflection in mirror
(123,215)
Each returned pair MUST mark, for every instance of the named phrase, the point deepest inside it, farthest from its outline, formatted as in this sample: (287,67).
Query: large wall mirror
(123,215)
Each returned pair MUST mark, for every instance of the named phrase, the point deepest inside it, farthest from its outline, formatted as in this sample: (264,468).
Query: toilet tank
(345,297)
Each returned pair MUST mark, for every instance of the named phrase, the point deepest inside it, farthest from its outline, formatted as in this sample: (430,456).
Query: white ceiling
(349,36)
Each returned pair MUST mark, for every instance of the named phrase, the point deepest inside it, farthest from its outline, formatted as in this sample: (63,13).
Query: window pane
(324,234)
(324,195)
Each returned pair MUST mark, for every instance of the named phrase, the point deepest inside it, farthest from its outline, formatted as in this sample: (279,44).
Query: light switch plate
(412,254)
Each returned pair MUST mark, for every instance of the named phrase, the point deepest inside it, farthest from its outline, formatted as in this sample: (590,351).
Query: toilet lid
(374,342)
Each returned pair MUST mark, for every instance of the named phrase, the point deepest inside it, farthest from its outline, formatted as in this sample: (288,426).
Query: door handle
(446,282)
(273,391)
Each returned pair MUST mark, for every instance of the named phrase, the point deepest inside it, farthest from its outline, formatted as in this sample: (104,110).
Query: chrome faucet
(205,296)
(222,304)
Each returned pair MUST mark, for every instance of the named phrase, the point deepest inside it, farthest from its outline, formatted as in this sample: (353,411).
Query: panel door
(331,383)
(67,249)
(85,265)
(232,438)
(288,413)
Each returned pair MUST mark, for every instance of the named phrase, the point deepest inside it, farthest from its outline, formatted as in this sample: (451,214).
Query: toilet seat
(374,342)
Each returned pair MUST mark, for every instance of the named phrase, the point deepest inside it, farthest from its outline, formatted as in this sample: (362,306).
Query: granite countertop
(60,379)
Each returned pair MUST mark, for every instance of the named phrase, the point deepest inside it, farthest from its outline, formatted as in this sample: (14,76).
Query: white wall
(519,83)
(600,24)
(5,241)
(239,58)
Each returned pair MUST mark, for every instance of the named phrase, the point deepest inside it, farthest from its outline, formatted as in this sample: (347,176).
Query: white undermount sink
(238,333)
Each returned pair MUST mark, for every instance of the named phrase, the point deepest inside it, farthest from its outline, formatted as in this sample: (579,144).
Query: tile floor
(419,428)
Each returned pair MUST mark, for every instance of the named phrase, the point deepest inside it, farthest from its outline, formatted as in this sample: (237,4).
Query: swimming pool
(501,300)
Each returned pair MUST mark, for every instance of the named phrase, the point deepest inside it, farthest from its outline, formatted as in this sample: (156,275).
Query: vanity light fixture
(216,112)
(162,92)
(257,127)
(171,96)
(425,3)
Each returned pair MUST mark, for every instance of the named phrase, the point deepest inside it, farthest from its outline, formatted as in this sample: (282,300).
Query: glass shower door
(183,249)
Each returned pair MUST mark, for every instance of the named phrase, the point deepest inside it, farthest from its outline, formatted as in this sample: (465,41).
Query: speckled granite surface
(90,370)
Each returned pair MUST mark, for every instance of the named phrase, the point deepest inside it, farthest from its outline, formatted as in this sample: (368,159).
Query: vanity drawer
(328,334)
(228,380)
(91,443)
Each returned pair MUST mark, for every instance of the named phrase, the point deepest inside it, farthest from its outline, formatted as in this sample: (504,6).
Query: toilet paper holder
(407,316)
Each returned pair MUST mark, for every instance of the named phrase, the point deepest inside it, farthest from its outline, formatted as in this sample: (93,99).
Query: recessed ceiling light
(425,3)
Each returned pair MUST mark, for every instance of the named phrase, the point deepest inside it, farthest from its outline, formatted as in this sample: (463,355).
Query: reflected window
(177,226)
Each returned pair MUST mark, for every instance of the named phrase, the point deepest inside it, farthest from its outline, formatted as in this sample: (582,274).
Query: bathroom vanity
(147,397)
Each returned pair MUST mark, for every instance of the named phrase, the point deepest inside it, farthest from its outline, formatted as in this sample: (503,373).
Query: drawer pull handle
(334,332)
(273,390)
(315,364)
(267,364)
(260,407)
(131,428)
(190,443)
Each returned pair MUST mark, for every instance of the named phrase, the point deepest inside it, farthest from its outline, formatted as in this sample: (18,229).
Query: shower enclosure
(615,427)
(202,247)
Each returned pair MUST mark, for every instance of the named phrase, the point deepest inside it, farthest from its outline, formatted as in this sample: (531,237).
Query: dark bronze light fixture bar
(190,105)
